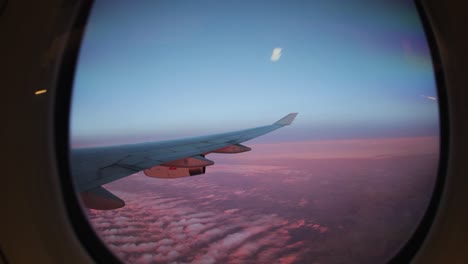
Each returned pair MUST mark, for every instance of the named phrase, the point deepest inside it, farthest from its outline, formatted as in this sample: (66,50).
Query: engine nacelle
(189,162)
(232,149)
(165,172)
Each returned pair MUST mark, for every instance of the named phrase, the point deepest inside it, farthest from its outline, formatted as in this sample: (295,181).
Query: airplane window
(254,131)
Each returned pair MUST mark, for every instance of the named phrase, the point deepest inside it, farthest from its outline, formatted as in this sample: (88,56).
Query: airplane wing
(93,167)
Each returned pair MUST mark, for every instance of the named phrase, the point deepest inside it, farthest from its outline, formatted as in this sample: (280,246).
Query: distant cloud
(303,202)
(231,211)
(276,54)
(325,149)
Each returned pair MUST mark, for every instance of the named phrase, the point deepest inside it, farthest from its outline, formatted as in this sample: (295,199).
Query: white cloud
(276,54)
(149,230)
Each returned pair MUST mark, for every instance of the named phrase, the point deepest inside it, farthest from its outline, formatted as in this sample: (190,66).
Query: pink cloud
(231,211)
(346,148)
(297,224)
(288,260)
(303,202)
(194,228)
(224,221)
(320,228)
(167,238)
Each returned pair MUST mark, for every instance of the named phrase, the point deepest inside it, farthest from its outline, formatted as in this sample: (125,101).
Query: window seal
(75,13)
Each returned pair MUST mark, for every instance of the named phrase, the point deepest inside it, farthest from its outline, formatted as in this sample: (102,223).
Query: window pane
(347,182)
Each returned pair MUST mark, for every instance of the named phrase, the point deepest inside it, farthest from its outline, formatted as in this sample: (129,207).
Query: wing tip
(287,120)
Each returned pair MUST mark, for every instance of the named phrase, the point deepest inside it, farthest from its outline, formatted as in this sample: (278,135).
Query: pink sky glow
(346,148)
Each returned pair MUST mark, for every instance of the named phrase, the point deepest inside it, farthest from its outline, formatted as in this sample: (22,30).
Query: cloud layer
(280,211)
(155,229)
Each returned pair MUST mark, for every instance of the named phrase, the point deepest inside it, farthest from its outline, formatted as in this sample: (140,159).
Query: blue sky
(167,69)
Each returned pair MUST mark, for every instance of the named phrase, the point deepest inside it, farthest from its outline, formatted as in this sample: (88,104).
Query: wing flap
(101,199)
